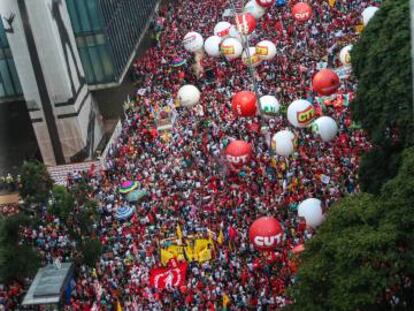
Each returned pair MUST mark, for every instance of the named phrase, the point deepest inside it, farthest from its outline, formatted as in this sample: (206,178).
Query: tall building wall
(108,34)
(63,113)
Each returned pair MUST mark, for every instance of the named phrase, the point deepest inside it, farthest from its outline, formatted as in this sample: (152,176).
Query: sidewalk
(12,198)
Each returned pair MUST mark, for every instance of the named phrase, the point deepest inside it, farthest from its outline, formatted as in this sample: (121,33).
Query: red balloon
(302,11)
(245,23)
(326,82)
(265,233)
(244,104)
(238,152)
(265,3)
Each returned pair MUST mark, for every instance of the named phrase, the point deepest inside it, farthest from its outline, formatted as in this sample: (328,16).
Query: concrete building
(54,53)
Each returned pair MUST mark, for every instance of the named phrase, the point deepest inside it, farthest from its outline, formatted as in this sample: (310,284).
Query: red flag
(173,276)
(232,233)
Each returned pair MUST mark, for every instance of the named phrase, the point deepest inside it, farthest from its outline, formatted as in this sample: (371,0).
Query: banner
(202,251)
(194,249)
(172,251)
(173,276)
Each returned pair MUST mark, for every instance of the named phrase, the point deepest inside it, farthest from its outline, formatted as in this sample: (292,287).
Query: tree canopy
(36,183)
(362,256)
(381,60)
(17,260)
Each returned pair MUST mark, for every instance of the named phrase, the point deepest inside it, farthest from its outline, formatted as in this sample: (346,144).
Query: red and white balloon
(266,50)
(244,104)
(300,113)
(193,41)
(266,233)
(231,48)
(265,3)
(245,23)
(326,82)
(238,153)
(302,11)
(222,29)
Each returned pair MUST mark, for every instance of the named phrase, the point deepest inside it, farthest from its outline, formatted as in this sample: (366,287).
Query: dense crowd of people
(188,180)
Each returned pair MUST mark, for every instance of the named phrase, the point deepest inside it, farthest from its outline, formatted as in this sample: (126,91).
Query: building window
(91,41)
(9,81)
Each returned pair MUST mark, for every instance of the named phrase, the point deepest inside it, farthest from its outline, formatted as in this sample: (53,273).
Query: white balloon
(188,95)
(269,104)
(266,50)
(345,55)
(311,210)
(222,29)
(368,13)
(300,113)
(212,46)
(254,59)
(253,8)
(325,127)
(231,48)
(283,143)
(193,41)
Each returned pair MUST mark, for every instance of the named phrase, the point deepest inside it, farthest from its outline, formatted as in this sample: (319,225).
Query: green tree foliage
(378,166)
(62,203)
(381,60)
(90,249)
(364,253)
(36,183)
(17,260)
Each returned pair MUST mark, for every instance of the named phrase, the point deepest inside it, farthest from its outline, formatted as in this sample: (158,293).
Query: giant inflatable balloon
(231,48)
(244,104)
(188,95)
(245,23)
(325,82)
(266,233)
(265,3)
(266,50)
(300,113)
(253,59)
(269,105)
(345,55)
(284,143)
(212,46)
(311,210)
(302,11)
(368,13)
(222,29)
(193,41)
(325,127)
(238,153)
(253,8)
